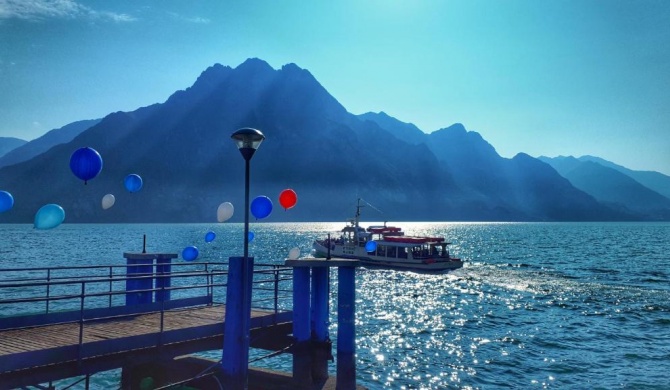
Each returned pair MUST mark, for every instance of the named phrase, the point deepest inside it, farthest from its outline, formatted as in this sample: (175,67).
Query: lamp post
(247,141)
(235,361)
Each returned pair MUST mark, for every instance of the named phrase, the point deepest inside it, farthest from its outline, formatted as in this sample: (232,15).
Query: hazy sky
(563,77)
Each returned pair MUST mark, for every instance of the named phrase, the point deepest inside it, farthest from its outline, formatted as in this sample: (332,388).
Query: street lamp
(235,360)
(247,141)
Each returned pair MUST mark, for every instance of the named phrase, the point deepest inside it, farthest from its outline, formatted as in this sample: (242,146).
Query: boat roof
(415,240)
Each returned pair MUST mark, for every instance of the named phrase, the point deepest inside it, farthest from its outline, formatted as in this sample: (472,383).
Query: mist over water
(537,305)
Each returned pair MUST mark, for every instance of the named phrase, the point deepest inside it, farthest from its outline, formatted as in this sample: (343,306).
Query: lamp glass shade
(248,138)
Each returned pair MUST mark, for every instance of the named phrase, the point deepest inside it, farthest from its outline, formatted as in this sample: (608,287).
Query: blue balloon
(261,207)
(86,163)
(371,246)
(189,253)
(251,236)
(49,216)
(210,236)
(133,182)
(6,201)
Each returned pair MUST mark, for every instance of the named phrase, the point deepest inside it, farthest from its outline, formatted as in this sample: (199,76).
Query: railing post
(111,286)
(276,274)
(81,319)
(48,288)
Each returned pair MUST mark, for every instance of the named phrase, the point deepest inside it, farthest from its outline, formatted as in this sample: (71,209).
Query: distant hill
(330,157)
(28,150)
(653,180)
(8,144)
(612,186)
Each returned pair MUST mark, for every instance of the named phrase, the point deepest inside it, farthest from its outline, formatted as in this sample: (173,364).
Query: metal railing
(86,293)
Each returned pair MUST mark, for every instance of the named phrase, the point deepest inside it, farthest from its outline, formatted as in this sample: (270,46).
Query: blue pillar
(302,368)
(320,303)
(235,361)
(163,282)
(138,272)
(346,328)
(321,345)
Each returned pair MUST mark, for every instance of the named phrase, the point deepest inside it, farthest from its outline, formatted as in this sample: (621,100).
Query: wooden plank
(108,336)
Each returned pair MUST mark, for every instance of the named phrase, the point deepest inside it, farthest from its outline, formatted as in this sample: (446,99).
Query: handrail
(22,286)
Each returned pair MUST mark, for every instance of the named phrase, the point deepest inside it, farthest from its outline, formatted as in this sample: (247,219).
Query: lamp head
(247,141)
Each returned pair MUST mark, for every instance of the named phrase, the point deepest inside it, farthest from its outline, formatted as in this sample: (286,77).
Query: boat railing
(48,295)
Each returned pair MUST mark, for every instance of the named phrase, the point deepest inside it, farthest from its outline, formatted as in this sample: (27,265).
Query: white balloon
(108,201)
(293,253)
(225,211)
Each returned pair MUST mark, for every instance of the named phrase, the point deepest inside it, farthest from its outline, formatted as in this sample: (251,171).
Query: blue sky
(563,77)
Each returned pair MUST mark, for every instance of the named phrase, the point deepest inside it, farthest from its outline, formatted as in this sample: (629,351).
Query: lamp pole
(235,362)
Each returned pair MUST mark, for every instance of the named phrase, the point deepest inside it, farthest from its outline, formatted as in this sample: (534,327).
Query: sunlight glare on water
(536,305)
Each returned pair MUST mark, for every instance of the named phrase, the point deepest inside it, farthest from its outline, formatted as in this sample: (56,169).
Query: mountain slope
(39,145)
(611,186)
(653,180)
(7,144)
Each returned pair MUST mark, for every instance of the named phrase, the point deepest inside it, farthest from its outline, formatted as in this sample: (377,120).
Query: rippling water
(537,305)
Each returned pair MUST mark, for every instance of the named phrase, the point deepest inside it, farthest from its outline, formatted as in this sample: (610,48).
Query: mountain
(611,186)
(653,180)
(522,188)
(407,132)
(7,144)
(330,157)
(28,150)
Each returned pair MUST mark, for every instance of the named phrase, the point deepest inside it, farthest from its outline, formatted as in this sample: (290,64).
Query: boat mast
(356,219)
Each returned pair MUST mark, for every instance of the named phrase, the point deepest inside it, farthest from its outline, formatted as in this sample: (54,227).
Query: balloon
(251,236)
(210,236)
(49,216)
(261,207)
(371,246)
(224,212)
(85,163)
(108,201)
(189,253)
(133,182)
(288,198)
(6,201)
(294,253)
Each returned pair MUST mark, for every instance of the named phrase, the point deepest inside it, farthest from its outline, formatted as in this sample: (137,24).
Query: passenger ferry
(388,247)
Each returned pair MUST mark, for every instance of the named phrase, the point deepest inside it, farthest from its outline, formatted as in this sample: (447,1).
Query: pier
(146,317)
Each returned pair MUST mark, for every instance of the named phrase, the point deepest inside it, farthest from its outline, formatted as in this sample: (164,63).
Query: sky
(551,77)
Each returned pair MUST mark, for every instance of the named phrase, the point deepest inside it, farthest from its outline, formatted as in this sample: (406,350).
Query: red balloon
(288,199)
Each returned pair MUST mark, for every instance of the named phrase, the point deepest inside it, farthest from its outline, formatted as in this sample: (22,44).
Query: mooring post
(138,272)
(302,367)
(321,346)
(313,334)
(346,328)
(235,360)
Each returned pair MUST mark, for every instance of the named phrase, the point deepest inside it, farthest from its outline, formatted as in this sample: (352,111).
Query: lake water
(537,305)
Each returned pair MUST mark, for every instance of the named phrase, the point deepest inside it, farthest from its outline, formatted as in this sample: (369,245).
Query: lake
(536,305)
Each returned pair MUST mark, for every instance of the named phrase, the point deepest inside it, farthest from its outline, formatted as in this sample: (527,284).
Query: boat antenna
(370,205)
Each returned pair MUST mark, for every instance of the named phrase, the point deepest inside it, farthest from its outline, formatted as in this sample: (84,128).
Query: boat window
(402,253)
(391,251)
(381,250)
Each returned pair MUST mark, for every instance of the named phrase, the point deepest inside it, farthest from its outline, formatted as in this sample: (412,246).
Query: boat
(383,246)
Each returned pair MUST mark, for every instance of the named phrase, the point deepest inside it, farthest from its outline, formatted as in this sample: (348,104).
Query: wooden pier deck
(42,353)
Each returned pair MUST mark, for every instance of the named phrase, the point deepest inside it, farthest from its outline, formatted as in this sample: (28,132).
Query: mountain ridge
(330,157)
